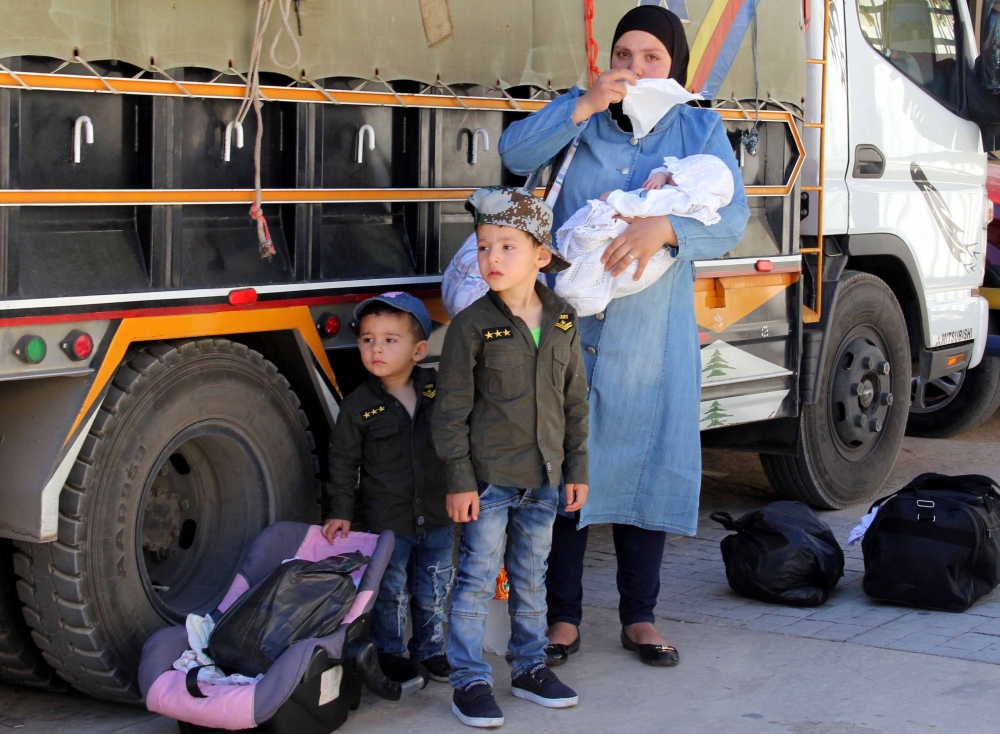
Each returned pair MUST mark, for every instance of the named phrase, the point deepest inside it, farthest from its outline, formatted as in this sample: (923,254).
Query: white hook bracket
(81,121)
(360,158)
(473,148)
(227,146)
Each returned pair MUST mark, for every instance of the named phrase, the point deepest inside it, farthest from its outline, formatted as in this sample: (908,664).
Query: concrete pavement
(850,667)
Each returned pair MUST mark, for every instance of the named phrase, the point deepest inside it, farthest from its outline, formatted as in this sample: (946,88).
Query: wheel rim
(860,395)
(928,396)
(205,501)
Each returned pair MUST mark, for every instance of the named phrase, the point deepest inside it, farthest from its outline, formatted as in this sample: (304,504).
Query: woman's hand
(576,496)
(608,89)
(643,239)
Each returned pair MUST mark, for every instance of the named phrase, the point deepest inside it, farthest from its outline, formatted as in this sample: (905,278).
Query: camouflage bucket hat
(512,207)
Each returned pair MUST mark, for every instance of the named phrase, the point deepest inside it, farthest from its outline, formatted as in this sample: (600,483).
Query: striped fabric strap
(534,179)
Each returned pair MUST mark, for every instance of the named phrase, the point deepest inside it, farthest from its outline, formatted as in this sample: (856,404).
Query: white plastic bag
(462,283)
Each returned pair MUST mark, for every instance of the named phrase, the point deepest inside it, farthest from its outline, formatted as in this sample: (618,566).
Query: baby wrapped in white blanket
(696,186)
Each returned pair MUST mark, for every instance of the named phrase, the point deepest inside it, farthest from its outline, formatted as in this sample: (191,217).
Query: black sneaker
(474,705)
(437,667)
(541,686)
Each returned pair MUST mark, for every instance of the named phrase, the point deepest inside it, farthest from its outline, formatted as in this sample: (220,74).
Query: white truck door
(917,169)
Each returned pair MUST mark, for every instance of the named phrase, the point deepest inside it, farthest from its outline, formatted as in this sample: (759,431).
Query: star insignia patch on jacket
(373,412)
(564,323)
(429,390)
(501,332)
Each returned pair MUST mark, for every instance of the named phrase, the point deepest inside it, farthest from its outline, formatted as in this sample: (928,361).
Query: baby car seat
(312,685)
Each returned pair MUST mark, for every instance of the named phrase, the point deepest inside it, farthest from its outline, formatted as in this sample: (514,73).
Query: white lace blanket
(704,184)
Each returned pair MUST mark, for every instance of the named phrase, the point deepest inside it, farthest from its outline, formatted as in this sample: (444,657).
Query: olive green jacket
(509,413)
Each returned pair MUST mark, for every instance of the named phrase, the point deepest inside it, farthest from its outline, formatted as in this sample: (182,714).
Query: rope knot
(263,233)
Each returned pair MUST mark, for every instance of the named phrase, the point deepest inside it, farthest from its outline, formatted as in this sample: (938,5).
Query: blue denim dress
(642,354)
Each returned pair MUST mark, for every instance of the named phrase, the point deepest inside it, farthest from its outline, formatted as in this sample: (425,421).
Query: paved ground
(850,667)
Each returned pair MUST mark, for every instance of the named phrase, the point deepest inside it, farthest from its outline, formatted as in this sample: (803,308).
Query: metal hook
(229,138)
(361,141)
(80,122)
(472,143)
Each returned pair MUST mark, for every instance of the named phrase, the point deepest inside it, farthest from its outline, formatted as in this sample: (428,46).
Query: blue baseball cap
(398,300)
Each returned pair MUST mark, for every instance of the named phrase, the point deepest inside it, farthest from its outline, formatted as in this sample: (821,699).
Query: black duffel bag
(296,601)
(782,553)
(935,543)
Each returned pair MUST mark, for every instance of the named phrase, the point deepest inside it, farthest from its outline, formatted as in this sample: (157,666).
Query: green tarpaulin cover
(519,42)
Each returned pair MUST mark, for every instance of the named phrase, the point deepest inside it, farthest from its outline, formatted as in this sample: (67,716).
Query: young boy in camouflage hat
(510,424)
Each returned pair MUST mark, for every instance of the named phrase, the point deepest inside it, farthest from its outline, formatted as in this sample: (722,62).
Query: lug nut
(883,368)
(859,420)
(855,388)
(887,398)
(875,425)
(867,363)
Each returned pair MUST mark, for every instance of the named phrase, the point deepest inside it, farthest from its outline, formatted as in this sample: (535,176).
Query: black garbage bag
(297,601)
(782,553)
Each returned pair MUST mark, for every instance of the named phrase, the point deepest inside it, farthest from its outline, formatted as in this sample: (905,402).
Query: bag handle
(725,520)
(555,185)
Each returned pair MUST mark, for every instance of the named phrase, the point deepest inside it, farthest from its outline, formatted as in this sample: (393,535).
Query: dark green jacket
(509,413)
(402,478)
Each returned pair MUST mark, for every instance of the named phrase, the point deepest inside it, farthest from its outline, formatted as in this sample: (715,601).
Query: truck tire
(956,403)
(21,662)
(849,438)
(197,447)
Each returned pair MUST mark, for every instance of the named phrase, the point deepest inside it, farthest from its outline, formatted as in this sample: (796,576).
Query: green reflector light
(30,349)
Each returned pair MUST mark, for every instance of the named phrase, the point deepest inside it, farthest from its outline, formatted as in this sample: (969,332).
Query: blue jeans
(527,515)
(419,576)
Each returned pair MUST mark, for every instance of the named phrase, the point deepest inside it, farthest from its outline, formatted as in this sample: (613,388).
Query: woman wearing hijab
(642,353)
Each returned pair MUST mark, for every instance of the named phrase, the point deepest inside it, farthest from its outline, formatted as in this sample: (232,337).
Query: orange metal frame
(157,87)
(194,325)
(810,316)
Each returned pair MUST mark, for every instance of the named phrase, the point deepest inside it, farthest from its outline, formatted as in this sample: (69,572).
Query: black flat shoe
(558,654)
(663,656)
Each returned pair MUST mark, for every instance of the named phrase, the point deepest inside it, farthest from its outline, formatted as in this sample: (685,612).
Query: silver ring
(630,255)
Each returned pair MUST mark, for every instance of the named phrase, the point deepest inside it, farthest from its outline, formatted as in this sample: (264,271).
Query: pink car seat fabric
(239,586)
(226,707)
(164,688)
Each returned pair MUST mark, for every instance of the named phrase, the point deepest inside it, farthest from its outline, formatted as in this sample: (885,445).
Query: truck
(962,400)
(194,197)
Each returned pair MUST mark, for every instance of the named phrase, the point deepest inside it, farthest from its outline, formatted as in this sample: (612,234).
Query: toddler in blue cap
(383,436)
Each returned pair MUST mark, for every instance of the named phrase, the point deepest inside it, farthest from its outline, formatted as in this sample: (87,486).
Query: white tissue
(650,99)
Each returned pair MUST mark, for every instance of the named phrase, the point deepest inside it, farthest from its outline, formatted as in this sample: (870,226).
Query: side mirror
(982,84)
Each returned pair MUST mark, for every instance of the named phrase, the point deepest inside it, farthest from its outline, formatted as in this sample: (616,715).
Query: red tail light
(242,297)
(77,345)
(328,325)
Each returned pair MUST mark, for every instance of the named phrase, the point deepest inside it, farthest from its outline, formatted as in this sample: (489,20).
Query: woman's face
(643,54)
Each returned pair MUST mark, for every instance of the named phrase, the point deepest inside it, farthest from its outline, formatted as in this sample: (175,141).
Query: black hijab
(666,26)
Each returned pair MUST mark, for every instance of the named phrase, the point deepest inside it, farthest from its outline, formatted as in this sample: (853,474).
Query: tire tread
(52,585)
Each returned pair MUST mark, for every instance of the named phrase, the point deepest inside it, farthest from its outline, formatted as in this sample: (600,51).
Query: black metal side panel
(217,245)
(69,251)
(363,240)
(75,251)
(454,134)
(36,415)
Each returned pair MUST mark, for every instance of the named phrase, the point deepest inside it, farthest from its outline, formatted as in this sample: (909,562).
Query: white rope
(252,99)
(14,76)
(92,70)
